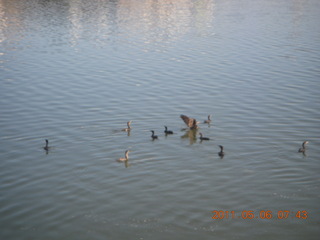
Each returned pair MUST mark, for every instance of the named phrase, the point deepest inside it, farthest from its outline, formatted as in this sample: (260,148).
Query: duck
(128,128)
(303,148)
(221,153)
(46,147)
(153,136)
(208,120)
(126,158)
(190,122)
(203,138)
(166,131)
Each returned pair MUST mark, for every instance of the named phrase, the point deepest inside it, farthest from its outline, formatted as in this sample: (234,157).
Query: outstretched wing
(190,122)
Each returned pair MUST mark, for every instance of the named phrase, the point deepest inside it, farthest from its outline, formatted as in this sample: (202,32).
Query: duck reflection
(126,163)
(191,135)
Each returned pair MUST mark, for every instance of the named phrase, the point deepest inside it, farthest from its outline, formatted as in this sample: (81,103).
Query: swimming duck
(203,138)
(303,148)
(128,128)
(126,158)
(166,131)
(46,147)
(153,136)
(190,122)
(208,120)
(221,153)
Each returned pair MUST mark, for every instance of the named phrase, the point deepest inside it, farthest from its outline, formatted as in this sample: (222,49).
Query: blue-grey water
(74,72)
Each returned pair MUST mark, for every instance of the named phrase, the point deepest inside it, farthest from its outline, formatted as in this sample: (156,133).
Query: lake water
(74,72)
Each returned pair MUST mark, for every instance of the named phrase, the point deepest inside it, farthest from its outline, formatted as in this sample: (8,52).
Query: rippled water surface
(74,72)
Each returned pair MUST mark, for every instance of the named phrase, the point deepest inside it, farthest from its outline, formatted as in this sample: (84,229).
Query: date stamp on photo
(263,214)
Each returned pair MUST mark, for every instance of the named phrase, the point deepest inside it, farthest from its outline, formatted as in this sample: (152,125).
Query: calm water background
(75,72)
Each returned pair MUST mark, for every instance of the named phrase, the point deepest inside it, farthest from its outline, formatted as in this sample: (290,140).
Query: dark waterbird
(203,138)
(153,136)
(303,148)
(166,131)
(221,153)
(46,147)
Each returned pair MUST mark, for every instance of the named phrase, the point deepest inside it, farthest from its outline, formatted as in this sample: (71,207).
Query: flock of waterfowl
(192,125)
(190,122)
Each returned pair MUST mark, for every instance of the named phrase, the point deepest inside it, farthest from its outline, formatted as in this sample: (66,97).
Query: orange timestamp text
(263,214)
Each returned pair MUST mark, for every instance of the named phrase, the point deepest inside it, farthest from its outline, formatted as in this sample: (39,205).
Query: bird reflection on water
(191,134)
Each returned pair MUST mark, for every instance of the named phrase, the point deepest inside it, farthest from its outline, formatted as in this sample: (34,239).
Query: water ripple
(75,72)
